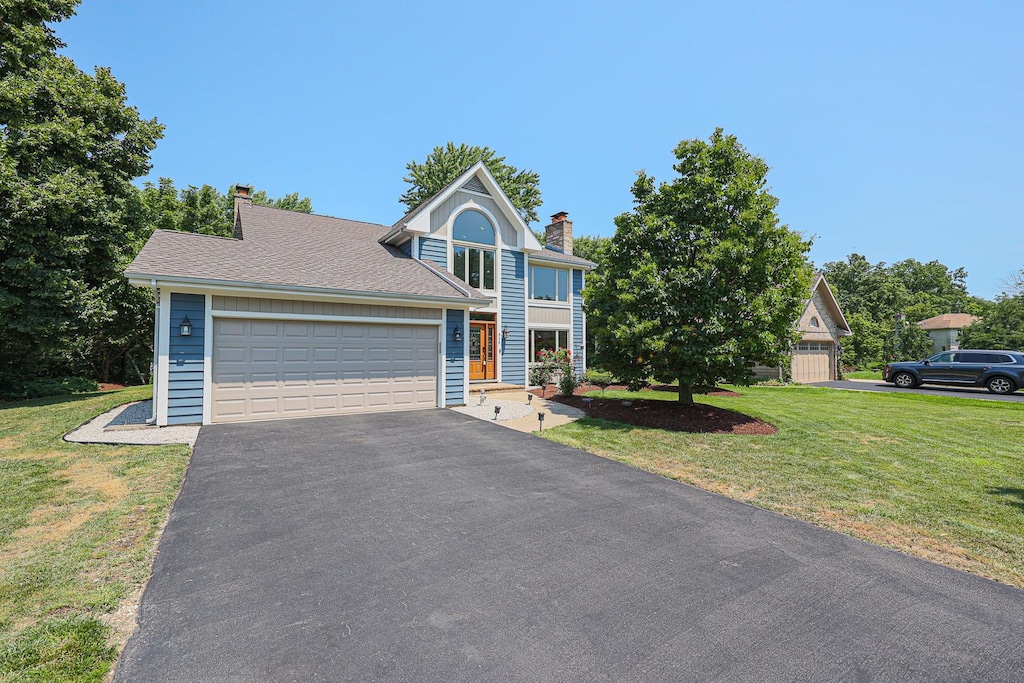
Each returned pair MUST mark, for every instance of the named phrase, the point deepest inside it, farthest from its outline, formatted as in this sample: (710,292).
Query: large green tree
(701,282)
(592,248)
(70,147)
(445,164)
(1001,328)
(204,209)
(876,298)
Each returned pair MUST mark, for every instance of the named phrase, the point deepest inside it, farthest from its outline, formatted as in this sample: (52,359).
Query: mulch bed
(669,415)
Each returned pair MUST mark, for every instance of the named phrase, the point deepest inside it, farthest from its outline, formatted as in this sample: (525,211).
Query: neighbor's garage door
(267,369)
(812,362)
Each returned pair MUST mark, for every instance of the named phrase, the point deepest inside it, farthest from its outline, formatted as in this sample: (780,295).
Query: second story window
(549,284)
(471,264)
(474,266)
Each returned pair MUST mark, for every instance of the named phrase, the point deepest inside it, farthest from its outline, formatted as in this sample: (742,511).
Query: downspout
(153,370)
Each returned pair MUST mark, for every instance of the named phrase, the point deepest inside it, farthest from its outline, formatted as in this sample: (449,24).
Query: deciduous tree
(701,282)
(69,148)
(445,164)
(204,209)
(874,297)
(1001,328)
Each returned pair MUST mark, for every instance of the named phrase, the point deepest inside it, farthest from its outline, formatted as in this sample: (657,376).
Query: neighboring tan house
(945,329)
(300,315)
(815,358)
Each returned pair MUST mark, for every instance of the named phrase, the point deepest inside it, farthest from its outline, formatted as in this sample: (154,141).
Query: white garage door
(269,369)
(812,362)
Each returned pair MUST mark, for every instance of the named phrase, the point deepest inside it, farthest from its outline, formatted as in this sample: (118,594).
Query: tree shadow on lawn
(52,400)
(1011,492)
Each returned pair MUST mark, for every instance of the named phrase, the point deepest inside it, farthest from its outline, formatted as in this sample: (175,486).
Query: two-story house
(300,315)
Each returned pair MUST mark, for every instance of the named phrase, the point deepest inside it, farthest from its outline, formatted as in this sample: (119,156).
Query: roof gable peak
(478,176)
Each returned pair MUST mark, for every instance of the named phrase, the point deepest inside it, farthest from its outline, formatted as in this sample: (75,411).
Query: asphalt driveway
(434,546)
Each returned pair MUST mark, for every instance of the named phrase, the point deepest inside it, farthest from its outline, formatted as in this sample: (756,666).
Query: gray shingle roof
(286,248)
(551,255)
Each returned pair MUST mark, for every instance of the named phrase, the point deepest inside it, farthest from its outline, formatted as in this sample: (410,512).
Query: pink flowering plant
(557,365)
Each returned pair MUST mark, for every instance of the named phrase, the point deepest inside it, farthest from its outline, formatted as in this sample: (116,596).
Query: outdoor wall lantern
(505,333)
(186,328)
(457,333)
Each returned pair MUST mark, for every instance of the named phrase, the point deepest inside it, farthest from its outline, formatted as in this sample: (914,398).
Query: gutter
(236,287)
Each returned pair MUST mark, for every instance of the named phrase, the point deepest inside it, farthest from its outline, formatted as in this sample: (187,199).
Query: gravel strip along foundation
(127,425)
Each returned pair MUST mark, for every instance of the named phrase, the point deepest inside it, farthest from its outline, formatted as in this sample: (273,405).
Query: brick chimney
(243,195)
(558,235)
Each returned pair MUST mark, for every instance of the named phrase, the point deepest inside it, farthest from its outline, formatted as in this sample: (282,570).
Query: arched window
(473,265)
(814,322)
(473,226)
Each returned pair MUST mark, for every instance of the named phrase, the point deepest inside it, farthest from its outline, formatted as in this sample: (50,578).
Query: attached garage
(812,362)
(272,369)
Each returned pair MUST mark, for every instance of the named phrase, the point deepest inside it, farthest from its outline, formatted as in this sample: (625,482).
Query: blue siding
(454,361)
(185,377)
(435,251)
(579,343)
(513,316)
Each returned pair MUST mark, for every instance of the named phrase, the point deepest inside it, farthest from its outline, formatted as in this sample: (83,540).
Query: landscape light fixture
(540,418)
(497,409)
(529,399)
(186,328)
(457,333)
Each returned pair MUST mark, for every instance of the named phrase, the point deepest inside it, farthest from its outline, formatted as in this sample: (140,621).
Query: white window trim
(556,303)
(546,328)
(497,247)
(481,247)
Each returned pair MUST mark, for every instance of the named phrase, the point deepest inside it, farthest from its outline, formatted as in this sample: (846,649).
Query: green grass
(863,374)
(78,525)
(937,477)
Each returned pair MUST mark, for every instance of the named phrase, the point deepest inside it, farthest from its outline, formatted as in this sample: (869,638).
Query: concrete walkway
(555,414)
(431,546)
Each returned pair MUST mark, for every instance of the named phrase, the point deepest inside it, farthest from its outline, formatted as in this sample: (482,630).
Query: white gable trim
(420,224)
(840,318)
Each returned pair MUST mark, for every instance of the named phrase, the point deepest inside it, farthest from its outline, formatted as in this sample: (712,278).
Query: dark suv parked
(1002,372)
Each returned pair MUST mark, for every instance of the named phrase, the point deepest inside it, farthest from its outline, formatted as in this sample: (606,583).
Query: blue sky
(894,130)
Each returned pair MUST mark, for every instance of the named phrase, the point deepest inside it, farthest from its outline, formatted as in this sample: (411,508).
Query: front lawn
(937,477)
(78,526)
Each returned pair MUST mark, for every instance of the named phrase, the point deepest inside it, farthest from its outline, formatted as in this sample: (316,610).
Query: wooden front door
(481,350)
